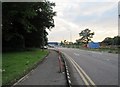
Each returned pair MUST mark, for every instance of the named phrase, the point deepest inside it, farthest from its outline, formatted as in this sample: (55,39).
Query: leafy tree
(86,36)
(61,43)
(116,40)
(108,41)
(112,41)
(25,23)
(79,42)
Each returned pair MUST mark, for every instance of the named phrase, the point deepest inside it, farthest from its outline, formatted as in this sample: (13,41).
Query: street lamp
(70,35)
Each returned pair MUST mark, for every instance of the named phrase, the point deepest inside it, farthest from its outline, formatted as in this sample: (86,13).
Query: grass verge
(109,50)
(16,64)
(114,49)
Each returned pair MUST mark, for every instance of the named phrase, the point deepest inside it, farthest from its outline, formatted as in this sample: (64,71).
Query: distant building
(53,44)
(93,45)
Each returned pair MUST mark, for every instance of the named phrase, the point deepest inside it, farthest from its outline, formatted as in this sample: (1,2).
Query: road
(93,68)
(46,73)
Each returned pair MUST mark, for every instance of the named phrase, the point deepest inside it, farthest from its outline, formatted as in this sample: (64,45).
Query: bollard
(60,68)
(60,62)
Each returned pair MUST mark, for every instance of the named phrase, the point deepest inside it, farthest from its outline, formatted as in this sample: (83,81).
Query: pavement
(46,73)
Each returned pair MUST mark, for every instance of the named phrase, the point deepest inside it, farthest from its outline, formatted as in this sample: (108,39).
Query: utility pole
(70,35)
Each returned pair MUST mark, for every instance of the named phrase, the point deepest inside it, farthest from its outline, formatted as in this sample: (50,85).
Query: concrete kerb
(61,62)
(29,71)
(67,72)
(66,69)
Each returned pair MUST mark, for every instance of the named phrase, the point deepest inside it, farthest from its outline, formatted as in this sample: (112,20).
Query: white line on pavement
(81,72)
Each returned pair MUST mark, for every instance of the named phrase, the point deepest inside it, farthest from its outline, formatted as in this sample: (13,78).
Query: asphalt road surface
(46,73)
(92,68)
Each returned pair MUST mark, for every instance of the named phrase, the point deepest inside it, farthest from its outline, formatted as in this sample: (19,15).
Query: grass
(15,64)
(109,50)
(115,50)
(0,68)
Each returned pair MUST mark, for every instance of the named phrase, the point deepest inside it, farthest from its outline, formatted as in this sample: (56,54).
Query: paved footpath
(47,73)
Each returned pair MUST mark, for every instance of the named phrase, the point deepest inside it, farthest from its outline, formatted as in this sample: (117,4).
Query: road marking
(87,80)
(68,77)
(67,71)
(76,54)
(86,83)
(84,73)
(68,74)
(108,59)
(69,81)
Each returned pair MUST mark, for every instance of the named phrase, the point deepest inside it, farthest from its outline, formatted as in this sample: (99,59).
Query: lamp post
(70,35)
(70,44)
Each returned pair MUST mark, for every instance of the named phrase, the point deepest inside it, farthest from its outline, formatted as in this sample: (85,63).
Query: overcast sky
(73,16)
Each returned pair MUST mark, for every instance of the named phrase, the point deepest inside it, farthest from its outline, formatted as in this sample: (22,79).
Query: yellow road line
(81,72)
(92,83)
(83,78)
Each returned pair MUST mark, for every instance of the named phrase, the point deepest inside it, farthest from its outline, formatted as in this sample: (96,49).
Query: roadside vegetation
(108,49)
(24,26)
(110,45)
(104,49)
(17,64)
(0,68)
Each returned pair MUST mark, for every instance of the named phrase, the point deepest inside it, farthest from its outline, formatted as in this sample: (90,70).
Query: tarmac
(46,73)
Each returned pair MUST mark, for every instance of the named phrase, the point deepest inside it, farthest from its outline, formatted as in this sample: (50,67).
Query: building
(53,44)
(93,45)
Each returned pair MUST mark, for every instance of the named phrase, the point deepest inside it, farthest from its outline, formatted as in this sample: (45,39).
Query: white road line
(81,72)
(68,77)
(83,78)
(66,67)
(108,59)
(68,74)
(84,73)
(76,54)
(69,81)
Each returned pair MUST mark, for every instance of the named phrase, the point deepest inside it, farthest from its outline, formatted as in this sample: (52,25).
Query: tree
(86,36)
(25,23)
(112,41)
(61,43)
(116,40)
(108,41)
(79,42)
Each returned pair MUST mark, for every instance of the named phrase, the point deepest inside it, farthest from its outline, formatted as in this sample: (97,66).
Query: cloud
(62,30)
(74,16)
